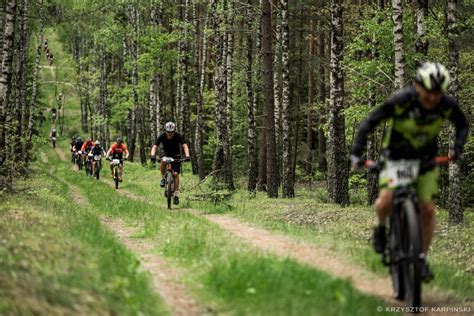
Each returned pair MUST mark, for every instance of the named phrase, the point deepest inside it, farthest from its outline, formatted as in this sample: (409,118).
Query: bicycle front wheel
(169,188)
(116,177)
(412,248)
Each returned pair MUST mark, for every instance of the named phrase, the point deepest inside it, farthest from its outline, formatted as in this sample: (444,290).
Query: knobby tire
(412,247)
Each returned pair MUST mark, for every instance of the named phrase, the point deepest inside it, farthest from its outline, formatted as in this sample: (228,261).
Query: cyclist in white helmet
(417,114)
(173,144)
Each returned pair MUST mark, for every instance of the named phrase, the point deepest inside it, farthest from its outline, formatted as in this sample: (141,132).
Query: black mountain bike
(88,164)
(79,160)
(169,178)
(53,141)
(96,166)
(404,243)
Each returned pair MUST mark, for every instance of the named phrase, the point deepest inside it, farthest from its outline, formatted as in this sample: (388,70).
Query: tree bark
(397,17)
(309,109)
(322,161)
(199,142)
(22,71)
(269,107)
(5,91)
(455,208)
(338,165)
(186,127)
(421,44)
(288,180)
(252,171)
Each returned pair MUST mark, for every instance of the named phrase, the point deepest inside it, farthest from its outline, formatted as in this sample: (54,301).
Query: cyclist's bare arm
(186,150)
(153,150)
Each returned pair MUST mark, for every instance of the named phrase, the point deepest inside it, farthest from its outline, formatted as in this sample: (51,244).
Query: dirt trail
(325,260)
(165,279)
(60,153)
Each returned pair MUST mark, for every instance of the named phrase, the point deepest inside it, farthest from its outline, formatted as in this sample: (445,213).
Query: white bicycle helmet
(170,127)
(433,77)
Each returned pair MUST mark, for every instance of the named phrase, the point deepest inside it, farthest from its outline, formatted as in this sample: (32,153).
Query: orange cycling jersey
(118,150)
(87,146)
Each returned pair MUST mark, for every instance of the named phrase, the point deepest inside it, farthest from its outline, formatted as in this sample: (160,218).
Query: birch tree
(397,17)
(456,214)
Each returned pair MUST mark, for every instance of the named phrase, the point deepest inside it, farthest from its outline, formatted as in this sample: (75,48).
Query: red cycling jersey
(87,146)
(117,150)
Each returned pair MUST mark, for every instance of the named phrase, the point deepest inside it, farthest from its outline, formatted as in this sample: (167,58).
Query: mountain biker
(117,150)
(72,148)
(78,144)
(417,114)
(53,133)
(172,143)
(97,150)
(86,148)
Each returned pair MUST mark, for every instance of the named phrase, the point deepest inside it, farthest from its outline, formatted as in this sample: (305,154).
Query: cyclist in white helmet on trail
(417,114)
(173,144)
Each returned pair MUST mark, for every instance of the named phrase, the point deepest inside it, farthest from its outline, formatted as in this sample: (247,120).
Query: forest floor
(70,244)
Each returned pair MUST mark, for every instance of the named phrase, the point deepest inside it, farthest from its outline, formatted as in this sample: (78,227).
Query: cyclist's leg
(111,165)
(120,171)
(176,172)
(383,206)
(163,169)
(427,189)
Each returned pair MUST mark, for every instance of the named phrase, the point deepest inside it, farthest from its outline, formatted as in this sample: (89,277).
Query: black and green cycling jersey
(413,130)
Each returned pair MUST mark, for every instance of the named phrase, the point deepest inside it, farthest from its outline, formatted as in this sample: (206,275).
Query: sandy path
(166,280)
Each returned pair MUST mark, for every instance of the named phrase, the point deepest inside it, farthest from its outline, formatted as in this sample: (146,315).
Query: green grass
(56,258)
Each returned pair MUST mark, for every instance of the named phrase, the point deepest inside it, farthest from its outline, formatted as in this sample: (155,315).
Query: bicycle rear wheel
(169,188)
(116,178)
(396,266)
(412,247)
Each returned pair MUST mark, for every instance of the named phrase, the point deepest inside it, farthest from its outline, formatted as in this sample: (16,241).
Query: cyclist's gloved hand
(187,158)
(356,162)
(153,159)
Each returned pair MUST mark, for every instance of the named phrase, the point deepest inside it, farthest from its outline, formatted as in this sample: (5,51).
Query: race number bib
(401,172)
(96,157)
(116,162)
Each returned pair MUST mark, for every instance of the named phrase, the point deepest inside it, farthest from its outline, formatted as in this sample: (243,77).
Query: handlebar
(169,159)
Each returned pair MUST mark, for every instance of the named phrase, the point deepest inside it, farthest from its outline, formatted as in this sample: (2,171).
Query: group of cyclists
(416,114)
(172,145)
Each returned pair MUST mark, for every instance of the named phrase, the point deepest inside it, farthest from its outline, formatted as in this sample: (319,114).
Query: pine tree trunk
(252,171)
(262,156)
(455,208)
(309,110)
(322,161)
(269,107)
(288,180)
(421,44)
(397,17)
(338,166)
